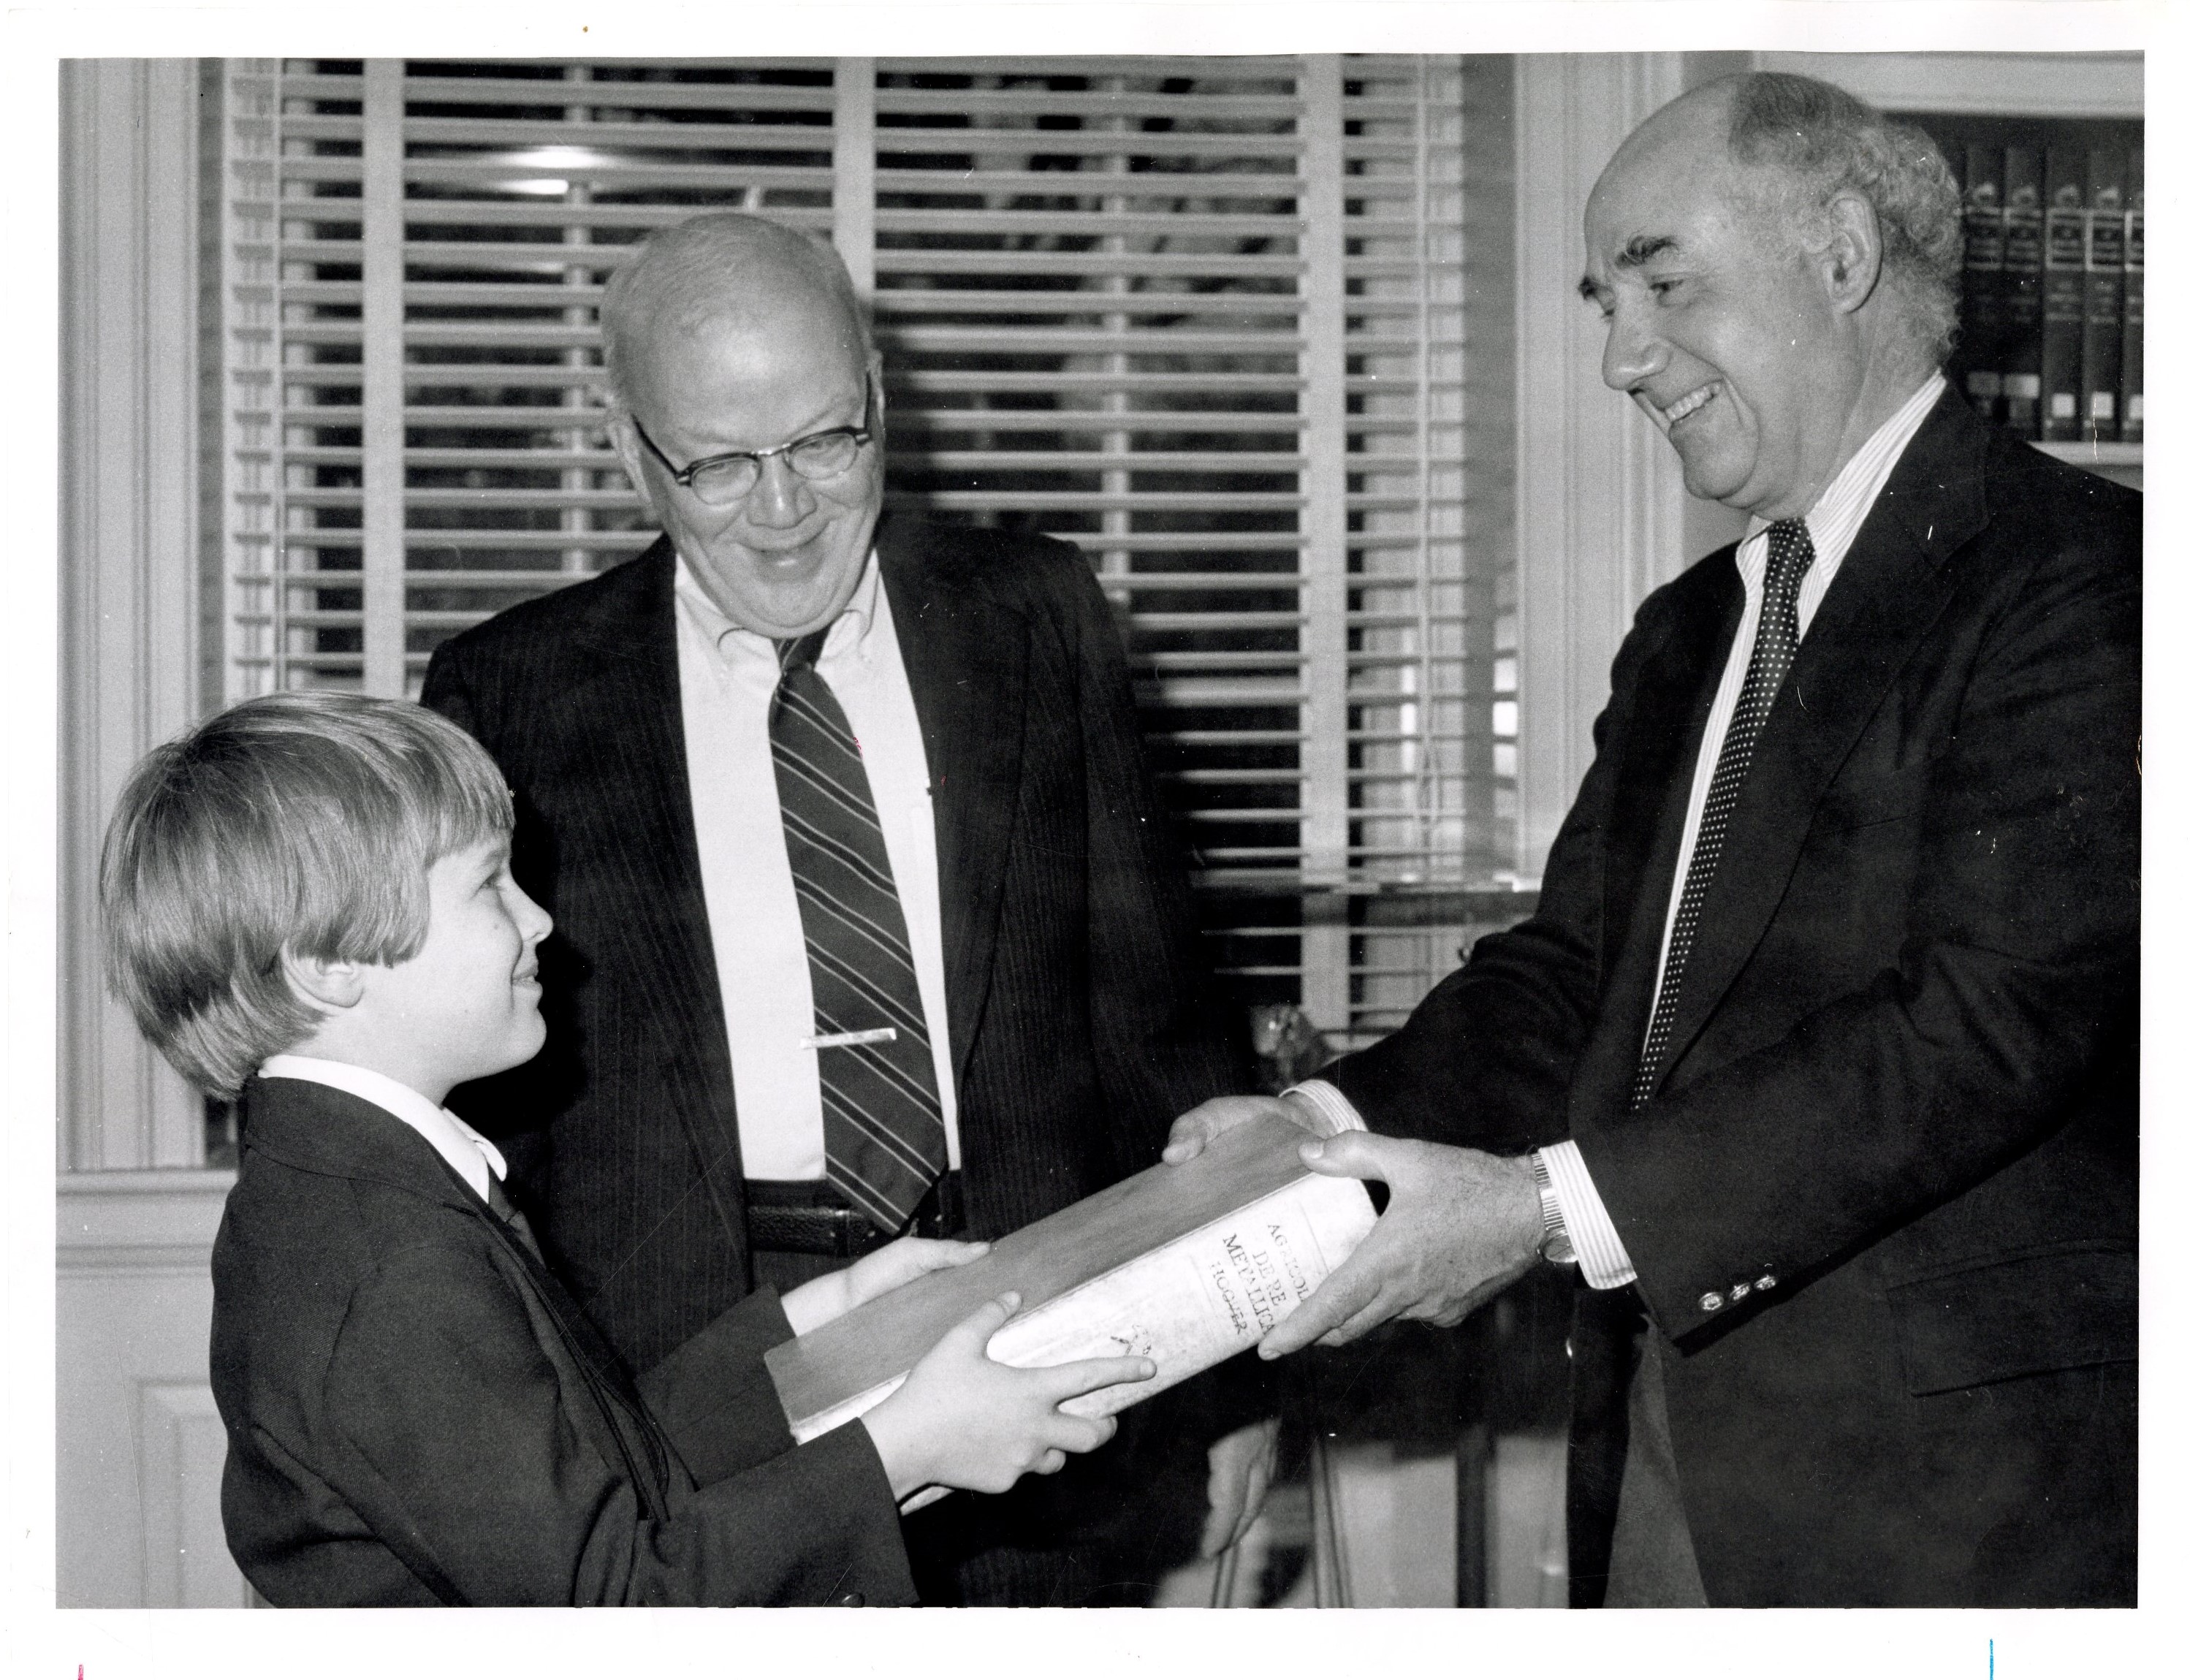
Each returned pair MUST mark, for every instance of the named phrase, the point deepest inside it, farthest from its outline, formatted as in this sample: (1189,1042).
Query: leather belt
(807,1217)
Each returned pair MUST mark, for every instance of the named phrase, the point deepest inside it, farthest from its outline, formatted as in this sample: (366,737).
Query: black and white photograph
(1274,822)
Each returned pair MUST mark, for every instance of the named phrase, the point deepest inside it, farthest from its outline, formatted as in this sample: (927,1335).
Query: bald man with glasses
(866,919)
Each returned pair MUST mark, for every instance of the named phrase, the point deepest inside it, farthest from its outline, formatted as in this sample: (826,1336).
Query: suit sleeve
(2014,987)
(714,1396)
(1159,1040)
(464,1453)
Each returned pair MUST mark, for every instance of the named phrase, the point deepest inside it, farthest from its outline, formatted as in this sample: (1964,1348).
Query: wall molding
(154,1223)
(1600,511)
(139,1446)
(129,549)
(181,1450)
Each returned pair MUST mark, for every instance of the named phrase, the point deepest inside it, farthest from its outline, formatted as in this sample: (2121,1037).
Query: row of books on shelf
(2053,342)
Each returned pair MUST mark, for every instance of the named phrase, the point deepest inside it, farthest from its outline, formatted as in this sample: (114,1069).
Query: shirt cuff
(1603,1256)
(1324,1107)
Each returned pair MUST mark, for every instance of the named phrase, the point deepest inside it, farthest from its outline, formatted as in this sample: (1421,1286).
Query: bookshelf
(2074,104)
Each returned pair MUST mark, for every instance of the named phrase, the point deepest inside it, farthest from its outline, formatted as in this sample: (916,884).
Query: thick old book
(2104,196)
(2061,372)
(1978,354)
(1184,1265)
(2132,402)
(2023,273)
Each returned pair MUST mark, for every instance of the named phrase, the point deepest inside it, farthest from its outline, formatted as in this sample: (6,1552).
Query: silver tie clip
(840,1040)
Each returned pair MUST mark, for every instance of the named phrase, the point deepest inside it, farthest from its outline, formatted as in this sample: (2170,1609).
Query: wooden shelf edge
(2094,454)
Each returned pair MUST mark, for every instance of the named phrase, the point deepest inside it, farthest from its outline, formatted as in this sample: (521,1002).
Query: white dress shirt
(473,1156)
(726,678)
(1834,520)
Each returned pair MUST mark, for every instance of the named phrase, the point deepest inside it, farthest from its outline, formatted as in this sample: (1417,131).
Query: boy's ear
(323,980)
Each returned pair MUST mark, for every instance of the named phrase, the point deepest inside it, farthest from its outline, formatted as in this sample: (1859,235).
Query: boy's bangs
(308,820)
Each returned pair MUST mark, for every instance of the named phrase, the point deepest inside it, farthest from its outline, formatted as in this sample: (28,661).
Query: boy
(309,899)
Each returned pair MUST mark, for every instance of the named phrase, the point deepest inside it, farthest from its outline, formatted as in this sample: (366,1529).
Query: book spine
(2105,204)
(2132,399)
(2023,273)
(2061,360)
(1201,1298)
(1978,354)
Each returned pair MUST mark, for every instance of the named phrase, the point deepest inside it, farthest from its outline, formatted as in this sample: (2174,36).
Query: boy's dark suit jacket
(418,1413)
(1903,1082)
(1077,1029)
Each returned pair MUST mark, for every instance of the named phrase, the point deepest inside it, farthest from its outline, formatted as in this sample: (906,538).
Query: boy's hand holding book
(961,1420)
(1174,1268)
(811,1305)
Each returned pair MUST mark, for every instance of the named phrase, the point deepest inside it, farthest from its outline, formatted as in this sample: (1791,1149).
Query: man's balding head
(731,268)
(1794,144)
(728,335)
(1777,268)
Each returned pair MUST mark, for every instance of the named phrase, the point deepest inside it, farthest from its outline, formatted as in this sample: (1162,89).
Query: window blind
(1207,318)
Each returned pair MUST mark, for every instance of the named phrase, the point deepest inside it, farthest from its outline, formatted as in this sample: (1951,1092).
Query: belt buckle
(857,1235)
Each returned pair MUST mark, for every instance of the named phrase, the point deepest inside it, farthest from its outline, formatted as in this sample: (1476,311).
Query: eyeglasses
(721,479)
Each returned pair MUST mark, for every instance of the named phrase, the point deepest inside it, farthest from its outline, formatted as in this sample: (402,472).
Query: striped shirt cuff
(1326,1108)
(1603,1256)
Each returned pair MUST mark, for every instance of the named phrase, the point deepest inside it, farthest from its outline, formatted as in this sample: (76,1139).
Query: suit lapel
(1890,590)
(1674,691)
(626,703)
(948,630)
(318,1128)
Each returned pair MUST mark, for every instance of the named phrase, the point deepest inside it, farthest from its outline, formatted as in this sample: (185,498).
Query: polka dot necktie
(1777,633)
(881,1120)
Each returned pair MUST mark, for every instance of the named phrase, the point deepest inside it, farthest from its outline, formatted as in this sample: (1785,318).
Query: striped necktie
(1778,631)
(881,1120)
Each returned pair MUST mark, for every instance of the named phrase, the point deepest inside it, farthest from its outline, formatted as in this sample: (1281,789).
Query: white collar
(1837,514)
(472,1155)
(847,631)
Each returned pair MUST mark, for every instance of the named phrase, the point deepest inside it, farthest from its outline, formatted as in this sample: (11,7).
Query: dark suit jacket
(1076,1033)
(1902,1085)
(419,1414)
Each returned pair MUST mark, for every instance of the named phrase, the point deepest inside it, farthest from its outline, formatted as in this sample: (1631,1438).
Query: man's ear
(323,980)
(1853,253)
(629,450)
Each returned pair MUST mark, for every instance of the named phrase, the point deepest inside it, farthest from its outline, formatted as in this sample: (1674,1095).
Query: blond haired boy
(308,902)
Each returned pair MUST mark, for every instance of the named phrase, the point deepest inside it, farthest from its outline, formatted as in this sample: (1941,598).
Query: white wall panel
(137,1450)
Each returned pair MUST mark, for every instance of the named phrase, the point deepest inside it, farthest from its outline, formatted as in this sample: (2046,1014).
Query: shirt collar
(849,632)
(1836,515)
(472,1155)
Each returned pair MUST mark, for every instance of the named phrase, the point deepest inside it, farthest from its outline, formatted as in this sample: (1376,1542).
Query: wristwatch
(1556,1245)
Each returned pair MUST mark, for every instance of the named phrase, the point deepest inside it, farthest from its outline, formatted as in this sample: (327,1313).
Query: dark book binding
(2023,273)
(2105,196)
(1982,243)
(2132,354)
(2061,360)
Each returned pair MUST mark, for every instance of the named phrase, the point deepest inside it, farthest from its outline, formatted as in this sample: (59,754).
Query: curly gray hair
(1824,140)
